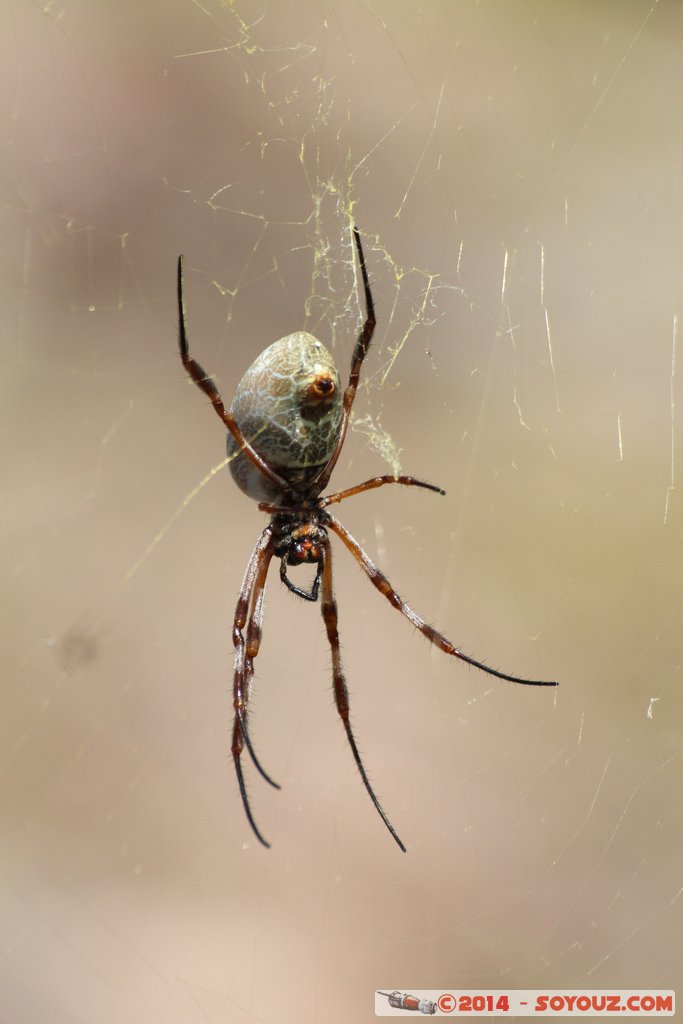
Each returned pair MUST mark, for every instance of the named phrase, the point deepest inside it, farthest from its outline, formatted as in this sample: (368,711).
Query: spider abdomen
(288,405)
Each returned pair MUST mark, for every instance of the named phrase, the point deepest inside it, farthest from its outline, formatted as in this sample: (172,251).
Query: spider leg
(341,693)
(377,481)
(253,645)
(379,580)
(249,613)
(359,353)
(203,381)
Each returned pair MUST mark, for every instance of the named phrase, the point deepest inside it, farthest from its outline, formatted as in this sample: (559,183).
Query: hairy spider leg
(254,633)
(203,381)
(377,481)
(379,580)
(359,352)
(349,492)
(328,607)
(249,612)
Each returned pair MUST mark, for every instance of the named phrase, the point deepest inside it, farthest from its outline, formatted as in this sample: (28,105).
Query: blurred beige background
(515,168)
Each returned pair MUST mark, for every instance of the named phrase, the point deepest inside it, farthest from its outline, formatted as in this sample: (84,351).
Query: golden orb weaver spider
(286,429)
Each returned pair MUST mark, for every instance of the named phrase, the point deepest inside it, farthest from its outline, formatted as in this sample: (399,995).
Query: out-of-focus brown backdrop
(515,169)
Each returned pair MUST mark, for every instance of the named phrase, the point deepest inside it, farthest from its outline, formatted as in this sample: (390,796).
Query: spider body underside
(286,429)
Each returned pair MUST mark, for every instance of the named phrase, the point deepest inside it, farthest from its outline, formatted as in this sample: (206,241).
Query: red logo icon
(446,1002)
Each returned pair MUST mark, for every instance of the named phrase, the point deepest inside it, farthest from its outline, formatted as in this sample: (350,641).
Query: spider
(286,429)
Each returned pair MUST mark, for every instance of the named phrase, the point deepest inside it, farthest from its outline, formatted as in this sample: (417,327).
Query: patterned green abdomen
(288,405)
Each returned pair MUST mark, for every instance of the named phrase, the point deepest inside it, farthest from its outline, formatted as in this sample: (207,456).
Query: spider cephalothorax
(299,538)
(286,428)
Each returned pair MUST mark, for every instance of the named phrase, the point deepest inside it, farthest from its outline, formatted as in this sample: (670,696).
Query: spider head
(301,540)
(304,549)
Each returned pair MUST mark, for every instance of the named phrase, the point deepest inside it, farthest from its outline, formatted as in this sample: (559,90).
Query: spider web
(514,170)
